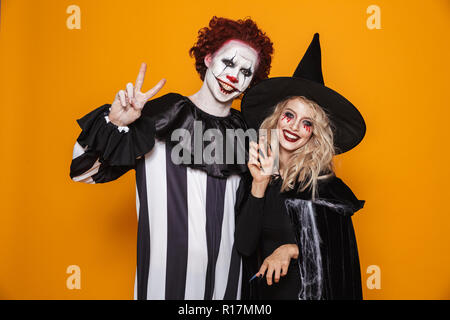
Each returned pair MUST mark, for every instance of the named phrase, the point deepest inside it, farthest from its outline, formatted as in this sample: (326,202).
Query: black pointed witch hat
(259,101)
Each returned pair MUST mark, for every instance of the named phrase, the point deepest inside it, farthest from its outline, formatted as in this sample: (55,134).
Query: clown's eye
(246,72)
(228,62)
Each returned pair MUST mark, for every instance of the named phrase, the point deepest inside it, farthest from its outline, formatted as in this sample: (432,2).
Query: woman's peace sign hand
(128,103)
(260,162)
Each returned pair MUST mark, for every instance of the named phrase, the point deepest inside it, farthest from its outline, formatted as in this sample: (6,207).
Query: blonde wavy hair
(314,160)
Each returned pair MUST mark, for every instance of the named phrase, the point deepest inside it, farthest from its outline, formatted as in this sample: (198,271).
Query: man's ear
(207,60)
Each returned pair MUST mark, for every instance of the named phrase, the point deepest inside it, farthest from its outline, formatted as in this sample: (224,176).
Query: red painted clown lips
(226,87)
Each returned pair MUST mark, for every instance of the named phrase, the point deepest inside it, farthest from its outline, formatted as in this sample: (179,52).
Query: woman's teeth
(290,136)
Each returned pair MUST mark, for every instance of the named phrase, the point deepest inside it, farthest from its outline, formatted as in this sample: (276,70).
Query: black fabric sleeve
(115,147)
(248,225)
(340,258)
(87,168)
(107,152)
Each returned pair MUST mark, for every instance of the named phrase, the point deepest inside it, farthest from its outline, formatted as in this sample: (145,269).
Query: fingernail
(253,277)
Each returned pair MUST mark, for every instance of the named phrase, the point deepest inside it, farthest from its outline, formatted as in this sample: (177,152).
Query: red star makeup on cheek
(285,117)
(307,128)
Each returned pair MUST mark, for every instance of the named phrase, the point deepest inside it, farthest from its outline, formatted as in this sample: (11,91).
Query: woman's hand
(128,104)
(260,165)
(278,263)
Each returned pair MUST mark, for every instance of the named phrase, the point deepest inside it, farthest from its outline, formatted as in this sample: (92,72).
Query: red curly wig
(222,30)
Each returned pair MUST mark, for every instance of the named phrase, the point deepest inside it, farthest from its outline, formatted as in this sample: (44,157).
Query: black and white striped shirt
(186,216)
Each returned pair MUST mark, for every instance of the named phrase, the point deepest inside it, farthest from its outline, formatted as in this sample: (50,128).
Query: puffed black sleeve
(249,212)
(103,151)
(336,192)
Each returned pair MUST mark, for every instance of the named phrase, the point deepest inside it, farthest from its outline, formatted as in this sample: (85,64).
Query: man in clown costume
(186,216)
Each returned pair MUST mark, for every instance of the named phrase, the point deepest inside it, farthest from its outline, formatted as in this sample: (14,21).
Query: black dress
(328,263)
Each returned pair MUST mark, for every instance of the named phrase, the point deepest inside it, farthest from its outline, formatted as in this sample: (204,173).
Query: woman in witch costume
(294,226)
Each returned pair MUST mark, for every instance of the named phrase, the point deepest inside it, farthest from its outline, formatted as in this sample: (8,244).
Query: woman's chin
(288,147)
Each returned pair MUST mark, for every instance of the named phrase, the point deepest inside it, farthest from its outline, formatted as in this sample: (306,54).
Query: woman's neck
(284,160)
(205,101)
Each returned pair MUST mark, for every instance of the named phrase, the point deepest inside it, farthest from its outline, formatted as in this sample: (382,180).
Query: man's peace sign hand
(128,104)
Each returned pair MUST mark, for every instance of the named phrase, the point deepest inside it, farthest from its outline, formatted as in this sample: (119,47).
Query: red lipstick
(292,136)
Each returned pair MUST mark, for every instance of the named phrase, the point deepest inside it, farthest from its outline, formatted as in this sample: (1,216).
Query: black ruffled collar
(174,111)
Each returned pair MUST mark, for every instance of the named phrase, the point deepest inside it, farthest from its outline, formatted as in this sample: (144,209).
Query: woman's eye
(289,115)
(307,123)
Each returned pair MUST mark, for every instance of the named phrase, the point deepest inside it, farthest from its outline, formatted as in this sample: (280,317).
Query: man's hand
(278,263)
(128,104)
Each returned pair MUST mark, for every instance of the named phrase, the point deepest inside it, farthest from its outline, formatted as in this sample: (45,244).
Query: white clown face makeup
(230,70)
(295,125)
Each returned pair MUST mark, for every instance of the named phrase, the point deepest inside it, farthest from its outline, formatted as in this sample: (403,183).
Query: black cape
(328,262)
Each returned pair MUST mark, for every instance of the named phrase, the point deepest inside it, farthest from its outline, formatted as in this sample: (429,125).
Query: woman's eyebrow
(289,109)
(304,118)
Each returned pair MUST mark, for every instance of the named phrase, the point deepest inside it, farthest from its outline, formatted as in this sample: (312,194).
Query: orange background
(51,76)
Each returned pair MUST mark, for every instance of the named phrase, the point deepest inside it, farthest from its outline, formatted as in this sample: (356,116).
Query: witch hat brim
(259,101)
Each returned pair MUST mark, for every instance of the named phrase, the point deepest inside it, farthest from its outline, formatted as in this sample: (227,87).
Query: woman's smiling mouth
(226,87)
(290,136)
